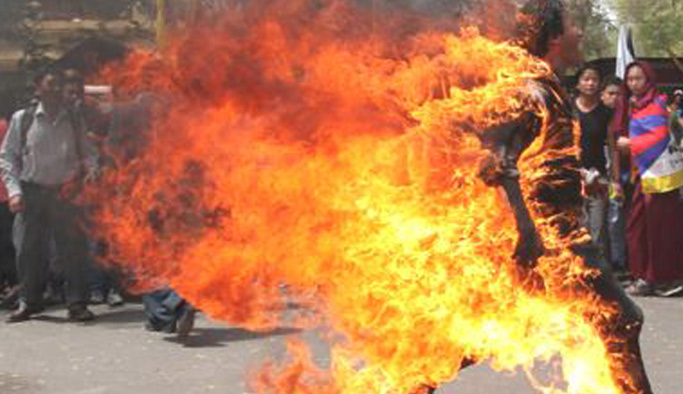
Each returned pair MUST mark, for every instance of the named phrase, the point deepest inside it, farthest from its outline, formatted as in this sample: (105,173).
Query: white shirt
(50,157)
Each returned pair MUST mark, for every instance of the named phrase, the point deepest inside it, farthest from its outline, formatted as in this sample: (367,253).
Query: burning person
(273,165)
(548,32)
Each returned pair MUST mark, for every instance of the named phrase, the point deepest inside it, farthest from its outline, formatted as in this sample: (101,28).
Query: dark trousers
(48,215)
(654,233)
(103,279)
(618,213)
(8,266)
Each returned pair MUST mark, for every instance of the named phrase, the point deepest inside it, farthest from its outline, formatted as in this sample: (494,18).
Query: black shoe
(80,314)
(186,322)
(23,313)
(166,329)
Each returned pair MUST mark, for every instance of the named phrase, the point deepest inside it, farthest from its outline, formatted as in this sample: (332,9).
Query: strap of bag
(78,133)
(27,119)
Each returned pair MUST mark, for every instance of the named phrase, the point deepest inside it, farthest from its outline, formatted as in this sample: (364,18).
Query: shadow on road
(122,316)
(61,320)
(113,316)
(215,337)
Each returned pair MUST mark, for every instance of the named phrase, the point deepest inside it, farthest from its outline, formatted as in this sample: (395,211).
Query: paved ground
(116,355)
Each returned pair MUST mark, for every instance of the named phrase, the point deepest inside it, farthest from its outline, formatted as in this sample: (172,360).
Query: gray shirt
(50,157)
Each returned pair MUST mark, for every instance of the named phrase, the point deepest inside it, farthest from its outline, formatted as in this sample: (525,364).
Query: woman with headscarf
(640,131)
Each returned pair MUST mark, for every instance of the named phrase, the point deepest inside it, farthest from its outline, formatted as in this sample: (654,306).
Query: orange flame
(294,150)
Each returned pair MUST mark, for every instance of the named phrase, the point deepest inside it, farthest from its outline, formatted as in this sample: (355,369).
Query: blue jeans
(617,233)
(617,216)
(163,308)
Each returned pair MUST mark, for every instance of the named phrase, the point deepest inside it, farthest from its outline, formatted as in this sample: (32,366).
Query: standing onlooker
(676,101)
(131,133)
(618,205)
(8,271)
(656,219)
(43,160)
(594,118)
(104,282)
(611,91)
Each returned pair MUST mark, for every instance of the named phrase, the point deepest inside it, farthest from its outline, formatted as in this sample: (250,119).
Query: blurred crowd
(52,149)
(630,144)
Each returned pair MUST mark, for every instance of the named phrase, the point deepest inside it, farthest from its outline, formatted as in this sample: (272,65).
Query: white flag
(625,53)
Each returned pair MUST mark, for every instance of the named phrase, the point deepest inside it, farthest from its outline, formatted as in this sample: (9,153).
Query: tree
(599,32)
(656,25)
(497,16)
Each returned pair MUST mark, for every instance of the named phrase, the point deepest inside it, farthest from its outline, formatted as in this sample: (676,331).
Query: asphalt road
(116,355)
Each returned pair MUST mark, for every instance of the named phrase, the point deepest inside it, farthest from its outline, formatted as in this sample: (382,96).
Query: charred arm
(506,144)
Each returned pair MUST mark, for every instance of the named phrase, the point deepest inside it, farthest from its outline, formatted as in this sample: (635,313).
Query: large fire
(310,150)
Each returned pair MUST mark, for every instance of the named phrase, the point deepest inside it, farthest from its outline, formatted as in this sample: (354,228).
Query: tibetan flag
(655,152)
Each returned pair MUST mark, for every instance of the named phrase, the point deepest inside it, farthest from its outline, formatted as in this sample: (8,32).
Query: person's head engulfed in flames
(546,30)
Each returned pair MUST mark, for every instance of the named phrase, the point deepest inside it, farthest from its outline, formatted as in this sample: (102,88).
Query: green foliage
(656,25)
(599,32)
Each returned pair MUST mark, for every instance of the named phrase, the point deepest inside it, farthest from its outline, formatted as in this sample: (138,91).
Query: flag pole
(625,53)
(161,23)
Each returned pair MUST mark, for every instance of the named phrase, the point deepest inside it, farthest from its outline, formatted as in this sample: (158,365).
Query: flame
(305,150)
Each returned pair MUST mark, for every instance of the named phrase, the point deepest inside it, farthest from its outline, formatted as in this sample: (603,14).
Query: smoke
(430,7)
(494,18)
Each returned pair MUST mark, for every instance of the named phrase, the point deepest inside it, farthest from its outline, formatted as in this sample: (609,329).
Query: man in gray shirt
(44,159)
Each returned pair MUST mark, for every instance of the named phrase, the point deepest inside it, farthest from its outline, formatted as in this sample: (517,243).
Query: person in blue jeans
(616,217)
(617,210)
(167,312)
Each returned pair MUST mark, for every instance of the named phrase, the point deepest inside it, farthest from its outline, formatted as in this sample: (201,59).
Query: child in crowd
(618,204)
